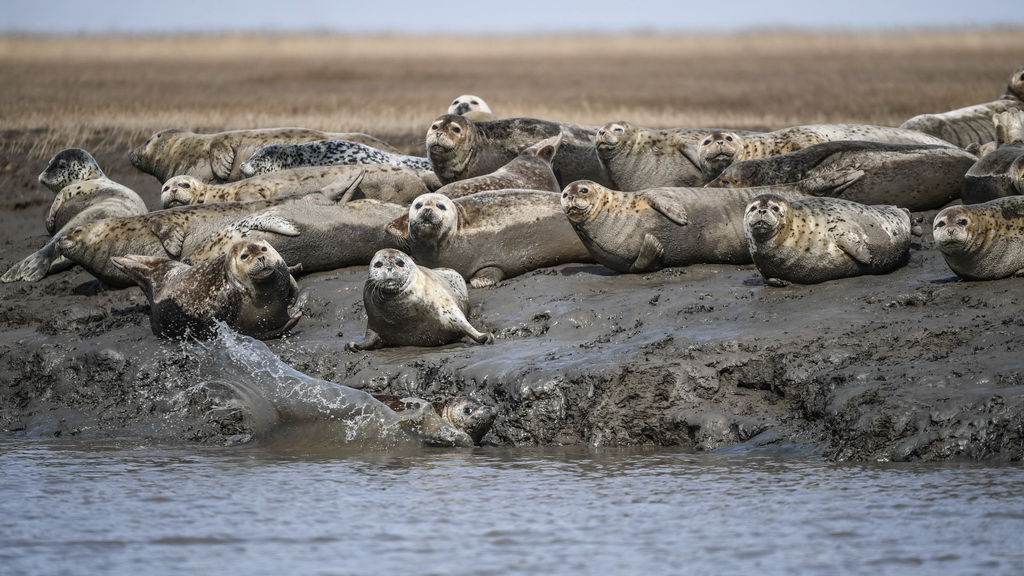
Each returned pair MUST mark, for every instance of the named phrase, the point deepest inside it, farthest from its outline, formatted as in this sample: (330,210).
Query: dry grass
(109,94)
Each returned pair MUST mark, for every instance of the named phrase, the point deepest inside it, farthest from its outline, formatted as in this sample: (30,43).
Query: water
(106,507)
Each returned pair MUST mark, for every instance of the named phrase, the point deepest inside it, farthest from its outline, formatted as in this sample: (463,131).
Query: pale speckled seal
(982,241)
(913,176)
(459,148)
(1000,172)
(411,305)
(531,170)
(472,107)
(250,288)
(489,236)
(971,124)
(217,157)
(661,227)
(813,240)
(638,158)
(275,157)
(330,235)
(83,193)
(463,412)
(719,149)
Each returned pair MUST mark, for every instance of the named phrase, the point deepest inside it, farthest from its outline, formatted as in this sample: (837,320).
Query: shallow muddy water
(108,507)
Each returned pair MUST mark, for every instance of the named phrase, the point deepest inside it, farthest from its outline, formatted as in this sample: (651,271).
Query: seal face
(410,305)
(811,240)
(250,289)
(982,241)
(472,107)
(275,157)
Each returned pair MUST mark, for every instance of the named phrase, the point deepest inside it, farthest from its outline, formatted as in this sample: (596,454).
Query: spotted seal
(459,148)
(638,158)
(531,170)
(1000,172)
(982,241)
(811,240)
(411,305)
(971,124)
(472,107)
(317,232)
(463,412)
(489,236)
(83,193)
(250,288)
(643,231)
(217,157)
(275,157)
(913,176)
(719,149)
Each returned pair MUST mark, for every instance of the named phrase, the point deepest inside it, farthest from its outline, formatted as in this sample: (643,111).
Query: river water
(123,507)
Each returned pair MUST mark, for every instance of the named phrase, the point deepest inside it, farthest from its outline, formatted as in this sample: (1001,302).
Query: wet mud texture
(913,365)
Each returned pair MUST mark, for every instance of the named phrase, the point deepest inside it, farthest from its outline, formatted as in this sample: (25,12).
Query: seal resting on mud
(276,157)
(531,170)
(913,176)
(813,240)
(1000,172)
(83,193)
(410,305)
(217,157)
(982,241)
(719,149)
(971,124)
(459,148)
(463,412)
(661,227)
(489,236)
(250,288)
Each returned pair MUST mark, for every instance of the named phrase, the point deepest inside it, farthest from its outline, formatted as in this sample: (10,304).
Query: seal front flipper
(371,341)
(222,159)
(854,246)
(488,276)
(650,255)
(171,236)
(667,205)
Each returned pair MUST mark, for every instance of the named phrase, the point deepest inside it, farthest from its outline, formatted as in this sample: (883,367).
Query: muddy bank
(914,365)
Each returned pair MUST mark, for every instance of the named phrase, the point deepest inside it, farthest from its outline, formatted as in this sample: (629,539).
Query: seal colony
(499,198)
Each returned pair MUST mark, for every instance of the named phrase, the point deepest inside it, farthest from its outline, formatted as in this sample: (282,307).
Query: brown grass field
(108,95)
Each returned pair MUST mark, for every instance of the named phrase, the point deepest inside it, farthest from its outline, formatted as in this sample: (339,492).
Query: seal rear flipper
(649,257)
(35,266)
(830,183)
(344,188)
(139,268)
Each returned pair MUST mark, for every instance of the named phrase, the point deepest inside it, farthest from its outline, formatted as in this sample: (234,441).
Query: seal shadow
(949,280)
(591,269)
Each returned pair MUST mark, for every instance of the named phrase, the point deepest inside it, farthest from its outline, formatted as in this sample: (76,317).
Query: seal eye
(467,410)
(186,185)
(442,207)
(378,264)
(619,130)
(583,190)
(433,126)
(776,209)
(707,142)
(456,129)
(418,205)
(962,222)
(454,103)
(728,138)
(264,249)
(473,102)
(940,224)
(245,256)
(400,263)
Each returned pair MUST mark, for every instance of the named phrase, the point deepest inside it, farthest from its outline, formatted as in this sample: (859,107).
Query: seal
(633,232)
(275,157)
(719,149)
(972,124)
(913,176)
(1000,172)
(396,184)
(463,412)
(812,240)
(250,288)
(217,157)
(83,193)
(472,107)
(638,158)
(459,148)
(489,236)
(531,170)
(307,228)
(411,305)
(982,241)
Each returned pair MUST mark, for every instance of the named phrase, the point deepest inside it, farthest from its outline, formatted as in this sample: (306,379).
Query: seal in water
(217,157)
(982,241)
(973,124)
(463,412)
(489,236)
(83,193)
(812,240)
(410,305)
(913,176)
(531,170)
(276,157)
(250,288)
(1000,172)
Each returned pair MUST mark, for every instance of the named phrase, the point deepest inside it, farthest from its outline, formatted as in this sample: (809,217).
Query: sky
(483,17)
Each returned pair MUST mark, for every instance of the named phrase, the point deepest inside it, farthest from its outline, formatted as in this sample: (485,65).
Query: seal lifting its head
(766,216)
